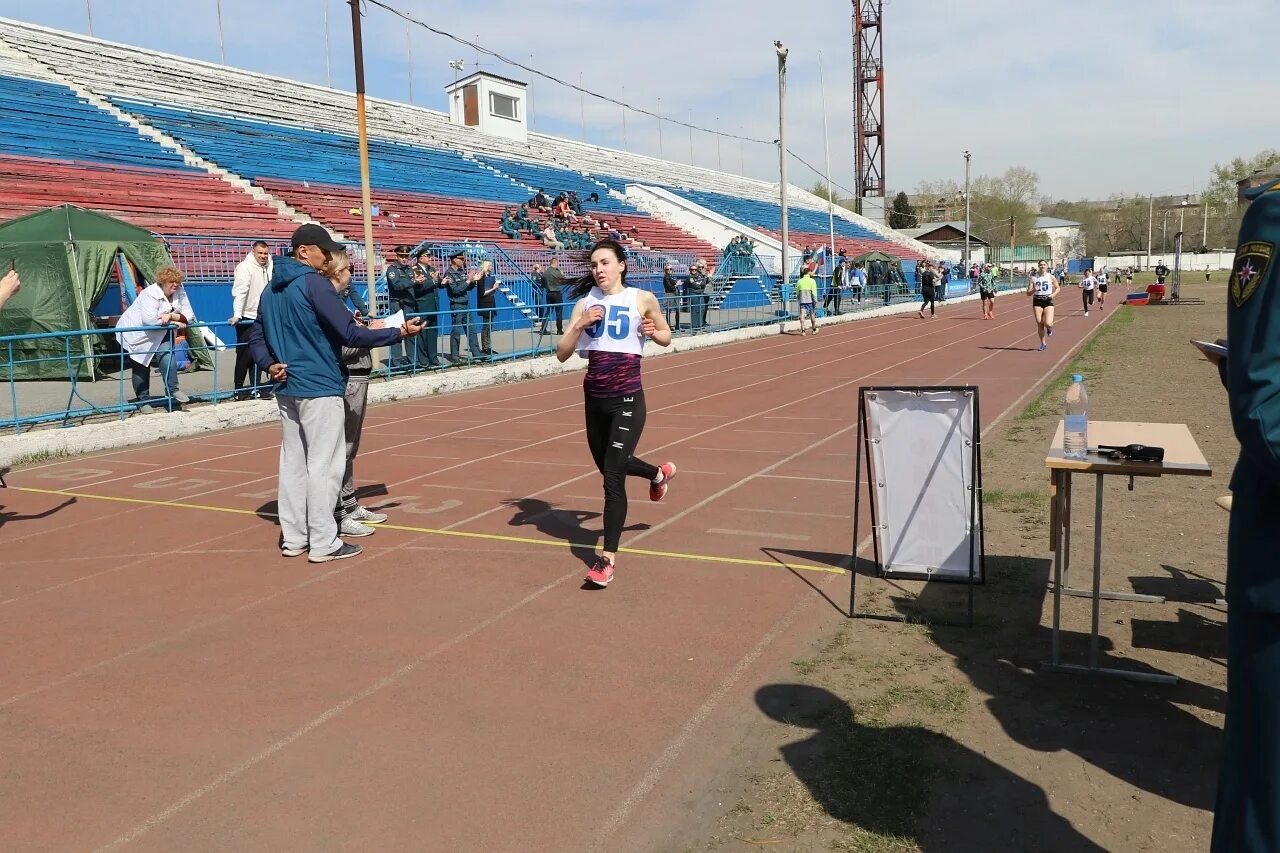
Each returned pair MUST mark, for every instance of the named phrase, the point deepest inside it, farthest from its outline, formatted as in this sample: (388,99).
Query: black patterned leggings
(614,425)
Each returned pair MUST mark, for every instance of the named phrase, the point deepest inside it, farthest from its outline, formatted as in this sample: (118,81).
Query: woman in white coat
(164,306)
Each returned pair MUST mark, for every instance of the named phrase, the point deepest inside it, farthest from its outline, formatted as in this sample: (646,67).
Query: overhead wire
(515,63)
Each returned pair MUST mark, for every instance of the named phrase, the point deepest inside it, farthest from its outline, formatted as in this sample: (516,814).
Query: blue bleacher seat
(555,180)
(47,120)
(256,149)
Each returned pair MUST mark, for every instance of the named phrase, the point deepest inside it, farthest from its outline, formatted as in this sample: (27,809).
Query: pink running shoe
(601,573)
(658,490)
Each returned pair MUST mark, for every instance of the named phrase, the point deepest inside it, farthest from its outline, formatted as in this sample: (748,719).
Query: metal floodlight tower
(868,89)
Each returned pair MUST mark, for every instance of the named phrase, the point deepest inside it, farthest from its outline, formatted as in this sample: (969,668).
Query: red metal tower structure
(868,95)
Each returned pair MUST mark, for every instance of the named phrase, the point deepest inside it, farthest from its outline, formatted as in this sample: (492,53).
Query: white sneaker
(367,516)
(351,527)
(1086,313)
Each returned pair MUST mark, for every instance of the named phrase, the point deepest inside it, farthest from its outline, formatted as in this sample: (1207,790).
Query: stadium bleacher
(56,148)
(296,141)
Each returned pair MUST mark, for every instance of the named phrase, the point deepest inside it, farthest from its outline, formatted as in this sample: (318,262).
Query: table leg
(1080,592)
(1097,572)
(1054,655)
(1097,594)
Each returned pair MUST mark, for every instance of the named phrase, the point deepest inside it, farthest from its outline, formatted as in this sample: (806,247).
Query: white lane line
(655,771)
(773,432)
(801,418)
(763,534)
(813,479)
(668,757)
(792,512)
(421,456)
(738,449)
(386,681)
(164,641)
(540,462)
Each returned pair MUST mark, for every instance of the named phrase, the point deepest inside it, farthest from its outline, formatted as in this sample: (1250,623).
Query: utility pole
(328,72)
(582,105)
(826,149)
(532,113)
(1151,220)
(88,11)
(222,46)
(624,118)
(659,111)
(782,157)
(966,212)
(1012,244)
(366,195)
(408,53)
(1204,236)
(690,116)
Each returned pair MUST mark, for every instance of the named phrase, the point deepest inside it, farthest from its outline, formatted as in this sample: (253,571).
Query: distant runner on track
(1087,285)
(608,327)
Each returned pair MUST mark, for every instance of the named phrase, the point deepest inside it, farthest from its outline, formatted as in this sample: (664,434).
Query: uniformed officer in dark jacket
(696,289)
(426,293)
(1247,815)
(400,293)
(671,295)
(458,283)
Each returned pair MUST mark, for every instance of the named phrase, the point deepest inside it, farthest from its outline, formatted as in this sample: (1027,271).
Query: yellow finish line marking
(464,534)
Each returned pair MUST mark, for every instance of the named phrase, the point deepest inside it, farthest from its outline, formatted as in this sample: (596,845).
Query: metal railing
(87,377)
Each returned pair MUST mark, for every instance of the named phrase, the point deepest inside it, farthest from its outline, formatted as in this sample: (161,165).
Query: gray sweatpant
(353,408)
(311,462)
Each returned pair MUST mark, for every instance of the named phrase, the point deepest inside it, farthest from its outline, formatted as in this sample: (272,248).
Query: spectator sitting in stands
(594,198)
(574,203)
(163,305)
(549,237)
(539,200)
(509,226)
(561,209)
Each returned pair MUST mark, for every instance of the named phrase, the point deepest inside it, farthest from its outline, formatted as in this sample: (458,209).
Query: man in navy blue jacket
(297,339)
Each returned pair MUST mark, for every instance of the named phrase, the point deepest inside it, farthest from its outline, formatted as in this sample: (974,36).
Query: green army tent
(65,256)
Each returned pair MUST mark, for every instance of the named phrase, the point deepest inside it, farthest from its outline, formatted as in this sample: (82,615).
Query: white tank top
(620,330)
(1088,282)
(1042,285)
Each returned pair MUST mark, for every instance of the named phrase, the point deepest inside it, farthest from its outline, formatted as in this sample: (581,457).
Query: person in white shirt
(164,307)
(549,237)
(253,274)
(1087,285)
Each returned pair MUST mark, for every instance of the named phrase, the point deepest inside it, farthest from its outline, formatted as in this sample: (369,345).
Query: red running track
(171,683)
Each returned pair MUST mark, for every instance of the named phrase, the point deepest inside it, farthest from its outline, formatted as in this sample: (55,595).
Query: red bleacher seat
(160,200)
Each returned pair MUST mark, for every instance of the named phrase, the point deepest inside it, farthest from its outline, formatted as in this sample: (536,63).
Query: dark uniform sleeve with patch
(1247,811)
(1253,332)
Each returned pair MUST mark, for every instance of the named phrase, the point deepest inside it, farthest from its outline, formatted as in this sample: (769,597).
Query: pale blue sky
(1097,96)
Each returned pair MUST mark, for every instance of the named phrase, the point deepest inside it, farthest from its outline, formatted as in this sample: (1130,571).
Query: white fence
(1216,260)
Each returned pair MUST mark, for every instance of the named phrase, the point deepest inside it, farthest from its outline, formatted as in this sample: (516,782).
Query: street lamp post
(782,155)
(967,155)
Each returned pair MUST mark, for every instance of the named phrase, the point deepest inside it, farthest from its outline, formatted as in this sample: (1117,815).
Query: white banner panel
(922,473)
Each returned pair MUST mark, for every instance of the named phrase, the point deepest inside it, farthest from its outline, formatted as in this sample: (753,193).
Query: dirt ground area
(912,736)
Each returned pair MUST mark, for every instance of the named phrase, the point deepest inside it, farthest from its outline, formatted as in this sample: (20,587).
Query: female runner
(1042,287)
(608,327)
(1087,284)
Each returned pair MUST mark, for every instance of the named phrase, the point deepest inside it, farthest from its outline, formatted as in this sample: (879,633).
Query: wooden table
(1181,456)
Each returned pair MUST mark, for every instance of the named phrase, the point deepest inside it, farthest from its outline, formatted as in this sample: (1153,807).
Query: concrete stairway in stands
(160,138)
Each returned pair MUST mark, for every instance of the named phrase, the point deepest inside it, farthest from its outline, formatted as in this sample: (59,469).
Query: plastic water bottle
(1075,428)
